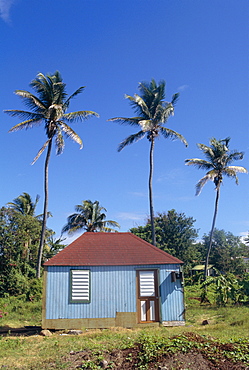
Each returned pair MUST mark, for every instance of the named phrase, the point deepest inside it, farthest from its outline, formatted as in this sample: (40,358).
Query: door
(147,296)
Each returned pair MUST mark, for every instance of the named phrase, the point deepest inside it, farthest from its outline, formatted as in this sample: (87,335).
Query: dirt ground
(121,360)
(197,359)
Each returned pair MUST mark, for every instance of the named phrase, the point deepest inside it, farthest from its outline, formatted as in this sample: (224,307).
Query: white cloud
(183,87)
(5,6)
(131,216)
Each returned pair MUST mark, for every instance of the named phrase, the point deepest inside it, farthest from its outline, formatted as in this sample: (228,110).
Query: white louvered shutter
(80,285)
(147,283)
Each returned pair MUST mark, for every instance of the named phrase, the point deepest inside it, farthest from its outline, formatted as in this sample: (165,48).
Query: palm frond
(175,98)
(131,98)
(75,222)
(59,93)
(168,133)
(24,114)
(153,95)
(26,124)
(150,90)
(199,163)
(108,230)
(143,108)
(77,92)
(24,204)
(131,139)
(207,150)
(137,105)
(208,177)
(31,101)
(231,171)
(112,223)
(79,116)
(164,112)
(237,169)
(69,132)
(133,121)
(41,151)
(44,87)
(235,156)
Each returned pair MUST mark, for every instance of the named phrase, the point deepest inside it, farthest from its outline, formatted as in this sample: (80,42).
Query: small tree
(226,254)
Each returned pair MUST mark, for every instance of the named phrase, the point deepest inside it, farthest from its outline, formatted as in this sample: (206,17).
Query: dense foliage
(175,234)
(228,252)
(19,243)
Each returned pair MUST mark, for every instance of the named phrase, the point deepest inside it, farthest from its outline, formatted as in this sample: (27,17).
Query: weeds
(141,347)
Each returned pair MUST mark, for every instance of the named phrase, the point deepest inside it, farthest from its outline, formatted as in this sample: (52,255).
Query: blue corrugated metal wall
(113,289)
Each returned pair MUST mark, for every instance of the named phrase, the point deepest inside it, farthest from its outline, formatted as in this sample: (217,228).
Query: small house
(200,268)
(105,280)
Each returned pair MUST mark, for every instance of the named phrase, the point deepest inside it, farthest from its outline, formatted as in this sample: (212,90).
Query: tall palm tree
(49,106)
(24,204)
(217,163)
(89,216)
(153,112)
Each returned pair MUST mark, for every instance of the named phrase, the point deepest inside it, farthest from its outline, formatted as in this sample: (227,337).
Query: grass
(226,324)
(16,312)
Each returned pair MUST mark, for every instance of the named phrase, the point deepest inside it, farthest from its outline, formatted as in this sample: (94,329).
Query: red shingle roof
(110,249)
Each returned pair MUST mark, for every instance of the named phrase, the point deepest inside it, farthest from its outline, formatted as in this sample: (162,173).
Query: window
(147,283)
(80,285)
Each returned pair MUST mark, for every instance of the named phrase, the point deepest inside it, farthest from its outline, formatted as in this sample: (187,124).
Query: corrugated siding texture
(112,289)
(171,293)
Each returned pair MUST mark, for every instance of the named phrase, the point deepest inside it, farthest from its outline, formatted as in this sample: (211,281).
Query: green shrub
(34,292)
(16,283)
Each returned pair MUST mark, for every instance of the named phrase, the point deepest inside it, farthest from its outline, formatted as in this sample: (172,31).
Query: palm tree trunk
(150,192)
(45,211)
(211,233)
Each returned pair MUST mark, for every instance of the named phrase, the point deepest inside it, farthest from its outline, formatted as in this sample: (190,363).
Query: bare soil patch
(130,358)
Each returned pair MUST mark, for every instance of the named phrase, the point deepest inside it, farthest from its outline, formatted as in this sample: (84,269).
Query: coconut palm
(217,163)
(24,204)
(89,216)
(49,106)
(153,112)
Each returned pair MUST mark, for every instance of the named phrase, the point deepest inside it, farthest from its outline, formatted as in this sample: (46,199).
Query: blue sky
(200,48)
